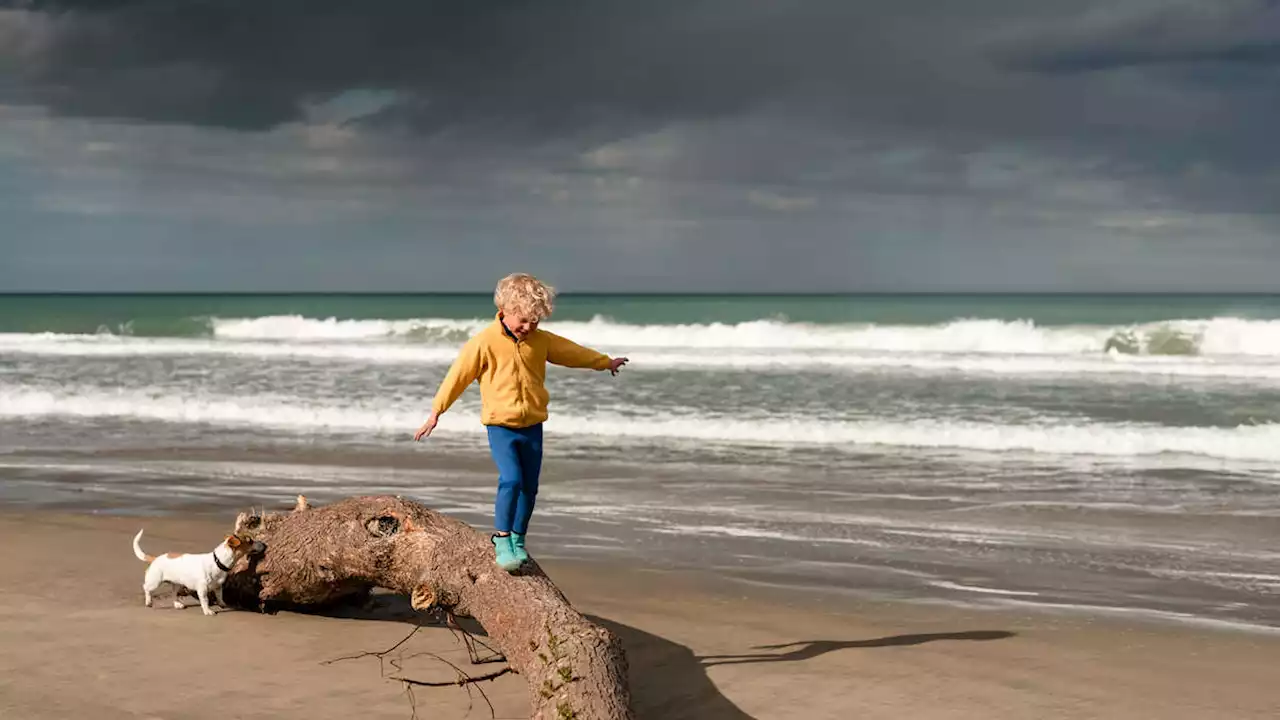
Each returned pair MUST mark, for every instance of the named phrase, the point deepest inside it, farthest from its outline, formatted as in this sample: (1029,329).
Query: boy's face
(519,323)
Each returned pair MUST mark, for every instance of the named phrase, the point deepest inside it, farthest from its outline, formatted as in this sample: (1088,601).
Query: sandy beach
(78,643)
(842,360)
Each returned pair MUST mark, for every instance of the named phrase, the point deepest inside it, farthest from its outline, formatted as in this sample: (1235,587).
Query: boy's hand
(427,427)
(616,364)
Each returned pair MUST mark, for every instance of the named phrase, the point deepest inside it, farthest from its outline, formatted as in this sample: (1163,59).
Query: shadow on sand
(669,681)
(808,649)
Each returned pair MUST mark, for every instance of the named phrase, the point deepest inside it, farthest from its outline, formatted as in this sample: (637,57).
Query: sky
(616,145)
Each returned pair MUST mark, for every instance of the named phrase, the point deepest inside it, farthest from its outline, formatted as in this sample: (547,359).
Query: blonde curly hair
(525,294)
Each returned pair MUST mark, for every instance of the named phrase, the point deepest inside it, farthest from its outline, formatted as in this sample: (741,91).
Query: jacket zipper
(521,405)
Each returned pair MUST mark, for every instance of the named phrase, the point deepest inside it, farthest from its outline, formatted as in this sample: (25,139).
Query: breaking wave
(1226,348)
(1248,442)
(1217,336)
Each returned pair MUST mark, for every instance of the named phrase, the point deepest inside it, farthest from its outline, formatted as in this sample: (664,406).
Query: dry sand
(75,641)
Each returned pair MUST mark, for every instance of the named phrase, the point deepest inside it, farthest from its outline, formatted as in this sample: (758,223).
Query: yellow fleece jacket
(511,373)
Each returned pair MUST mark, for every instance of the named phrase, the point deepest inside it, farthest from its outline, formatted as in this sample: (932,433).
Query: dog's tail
(137,549)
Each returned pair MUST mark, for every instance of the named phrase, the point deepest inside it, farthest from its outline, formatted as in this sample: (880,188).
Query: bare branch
(462,680)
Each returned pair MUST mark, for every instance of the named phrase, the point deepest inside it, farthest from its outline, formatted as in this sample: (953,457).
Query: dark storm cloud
(545,67)
(537,66)
(1234,32)
(1183,93)
(913,141)
(594,70)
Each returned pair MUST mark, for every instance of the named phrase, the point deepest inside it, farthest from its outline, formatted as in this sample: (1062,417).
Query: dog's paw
(209,611)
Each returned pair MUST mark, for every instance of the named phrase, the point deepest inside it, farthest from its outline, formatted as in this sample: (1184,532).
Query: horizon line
(633,293)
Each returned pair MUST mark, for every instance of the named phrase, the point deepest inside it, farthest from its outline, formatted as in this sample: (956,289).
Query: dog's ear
(233,541)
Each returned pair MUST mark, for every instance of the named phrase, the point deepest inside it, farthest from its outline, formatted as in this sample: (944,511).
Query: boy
(510,358)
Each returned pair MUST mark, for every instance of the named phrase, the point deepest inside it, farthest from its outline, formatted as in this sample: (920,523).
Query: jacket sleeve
(562,351)
(465,370)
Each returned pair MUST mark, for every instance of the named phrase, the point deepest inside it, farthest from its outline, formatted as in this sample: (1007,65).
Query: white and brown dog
(202,573)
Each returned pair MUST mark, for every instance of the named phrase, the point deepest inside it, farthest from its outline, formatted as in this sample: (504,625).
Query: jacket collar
(503,327)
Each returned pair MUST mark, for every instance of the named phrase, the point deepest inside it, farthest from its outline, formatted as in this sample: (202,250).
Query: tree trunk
(321,555)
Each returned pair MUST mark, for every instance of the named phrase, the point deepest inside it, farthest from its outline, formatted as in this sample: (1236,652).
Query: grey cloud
(588,72)
(535,67)
(591,71)
(911,144)
(1198,31)
(606,68)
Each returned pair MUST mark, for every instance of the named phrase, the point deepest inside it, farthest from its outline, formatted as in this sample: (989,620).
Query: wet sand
(896,530)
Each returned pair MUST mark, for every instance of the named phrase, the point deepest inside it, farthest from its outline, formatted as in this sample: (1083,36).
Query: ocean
(1105,453)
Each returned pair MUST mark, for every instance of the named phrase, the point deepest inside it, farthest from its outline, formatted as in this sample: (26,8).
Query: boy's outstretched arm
(464,371)
(562,351)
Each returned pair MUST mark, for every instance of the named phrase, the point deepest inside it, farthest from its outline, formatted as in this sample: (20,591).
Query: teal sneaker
(502,551)
(517,547)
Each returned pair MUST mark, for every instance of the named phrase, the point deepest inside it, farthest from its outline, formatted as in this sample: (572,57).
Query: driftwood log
(322,555)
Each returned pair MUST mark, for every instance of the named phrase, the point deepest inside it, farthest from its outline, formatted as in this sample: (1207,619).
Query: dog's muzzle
(258,548)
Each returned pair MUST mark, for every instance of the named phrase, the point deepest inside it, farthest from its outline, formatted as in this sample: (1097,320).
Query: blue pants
(518,455)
